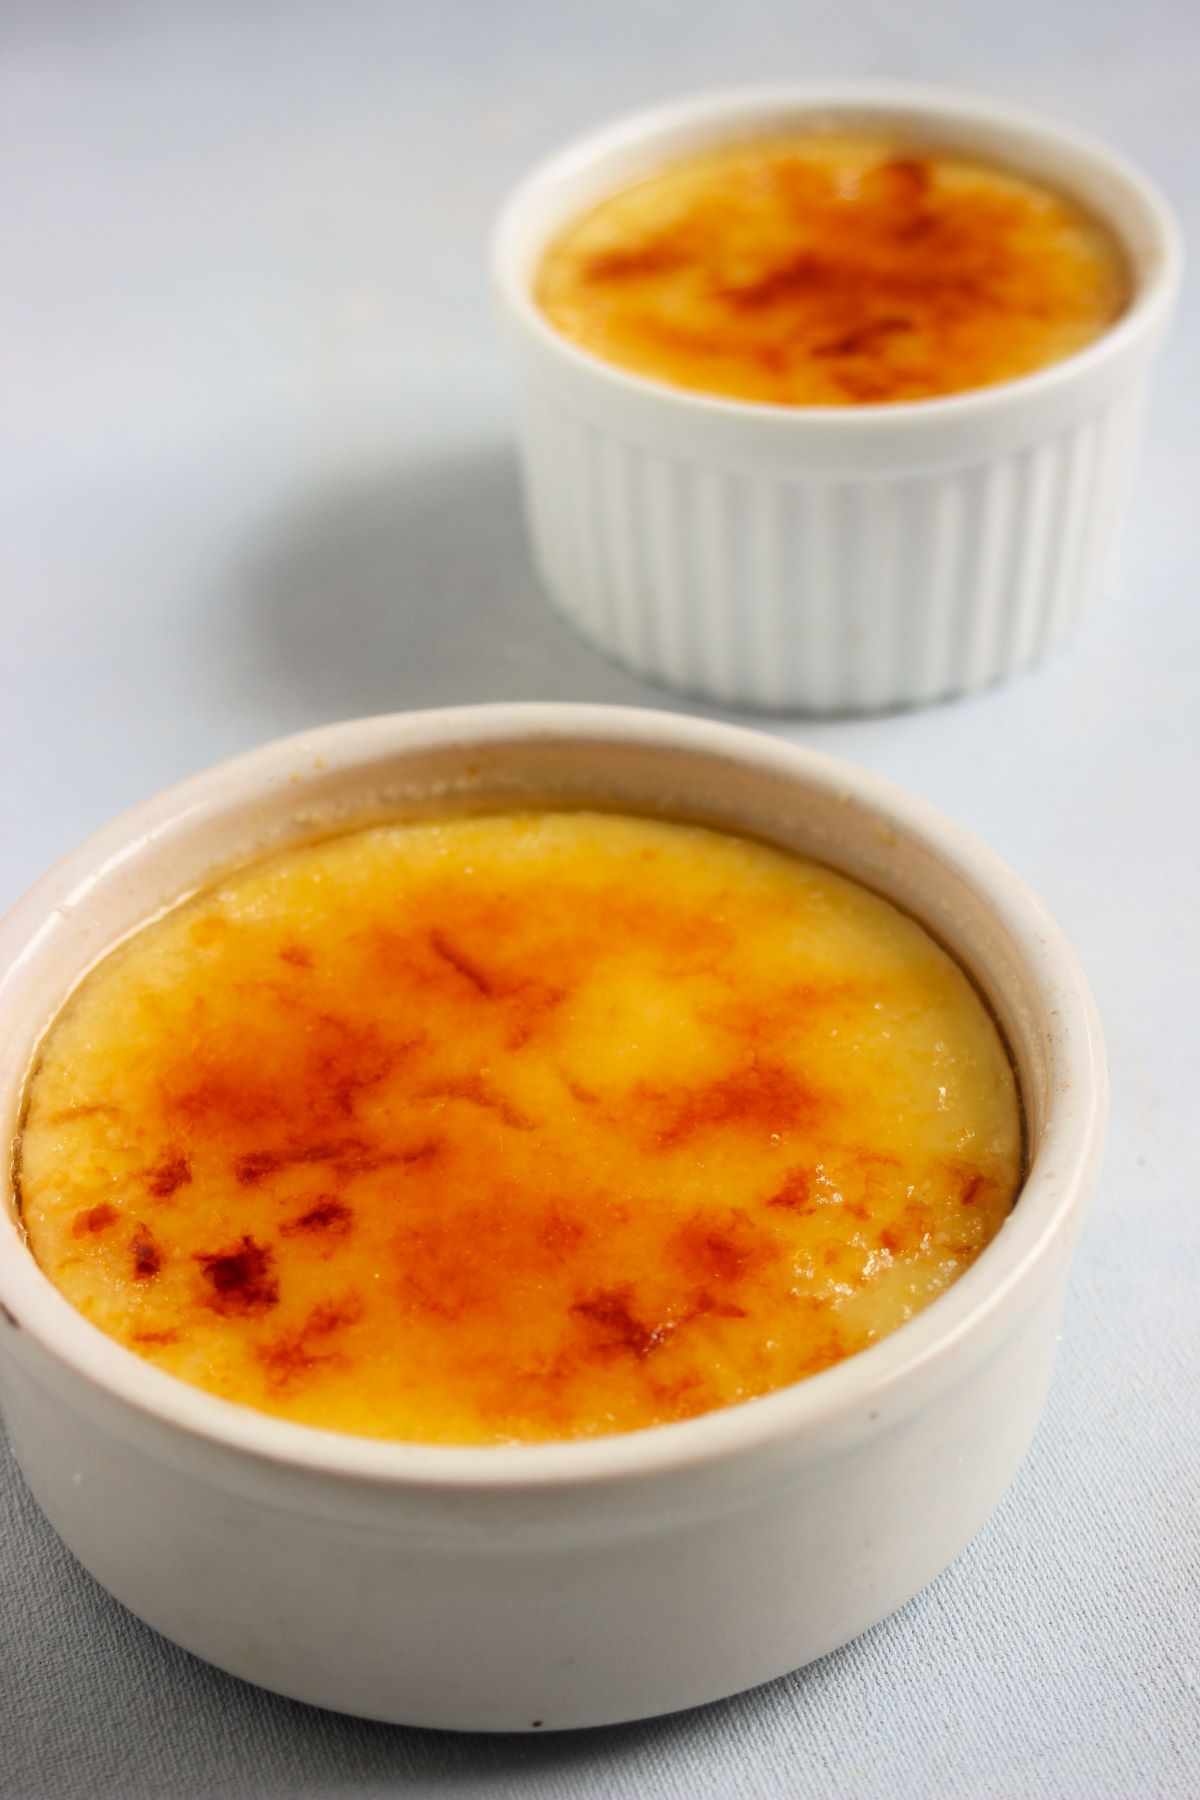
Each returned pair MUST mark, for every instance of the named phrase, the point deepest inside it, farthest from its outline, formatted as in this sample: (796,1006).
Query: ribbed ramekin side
(783,591)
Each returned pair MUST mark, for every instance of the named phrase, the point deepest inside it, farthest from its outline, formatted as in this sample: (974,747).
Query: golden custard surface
(833,271)
(516,1128)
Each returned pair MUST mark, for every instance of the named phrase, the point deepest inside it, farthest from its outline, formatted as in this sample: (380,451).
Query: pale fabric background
(257,475)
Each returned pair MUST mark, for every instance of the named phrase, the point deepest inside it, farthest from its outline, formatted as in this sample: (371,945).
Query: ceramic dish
(828,558)
(577,1583)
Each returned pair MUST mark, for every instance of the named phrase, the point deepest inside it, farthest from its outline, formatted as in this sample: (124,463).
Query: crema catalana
(516,1128)
(833,270)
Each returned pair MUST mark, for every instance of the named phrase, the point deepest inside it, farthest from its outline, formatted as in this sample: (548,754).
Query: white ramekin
(577,1583)
(828,558)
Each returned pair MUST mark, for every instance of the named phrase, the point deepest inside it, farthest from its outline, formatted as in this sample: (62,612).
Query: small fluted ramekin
(828,558)
(526,1587)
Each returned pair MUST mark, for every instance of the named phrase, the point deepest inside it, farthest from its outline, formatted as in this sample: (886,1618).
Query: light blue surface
(257,475)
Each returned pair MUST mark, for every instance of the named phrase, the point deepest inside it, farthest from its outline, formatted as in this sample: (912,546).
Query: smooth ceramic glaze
(828,559)
(565,1584)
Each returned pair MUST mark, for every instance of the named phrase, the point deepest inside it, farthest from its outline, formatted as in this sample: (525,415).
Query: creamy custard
(516,1128)
(833,270)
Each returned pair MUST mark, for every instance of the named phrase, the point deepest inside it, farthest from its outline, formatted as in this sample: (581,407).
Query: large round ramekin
(828,558)
(568,1584)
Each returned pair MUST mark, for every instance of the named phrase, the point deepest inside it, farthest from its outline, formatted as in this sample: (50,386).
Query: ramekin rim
(1152,298)
(1073,1130)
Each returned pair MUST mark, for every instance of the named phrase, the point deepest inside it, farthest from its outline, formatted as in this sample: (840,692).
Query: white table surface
(257,474)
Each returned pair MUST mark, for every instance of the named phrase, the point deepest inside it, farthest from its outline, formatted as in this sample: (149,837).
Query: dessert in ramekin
(534,1586)
(516,1128)
(831,557)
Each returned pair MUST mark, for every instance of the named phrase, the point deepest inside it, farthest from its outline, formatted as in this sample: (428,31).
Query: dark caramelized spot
(330,1217)
(241,1282)
(229,1087)
(346,1158)
(560,1233)
(660,258)
(795,1193)
(347,1061)
(297,955)
(94,1219)
(147,1257)
(462,964)
(908,1234)
(476,1092)
(427,1152)
(798,277)
(527,999)
(722,1248)
(173,1172)
(291,1356)
(902,183)
(155,1339)
(616,1328)
(863,339)
(763,1096)
(256,1166)
(225,1094)
(971,1184)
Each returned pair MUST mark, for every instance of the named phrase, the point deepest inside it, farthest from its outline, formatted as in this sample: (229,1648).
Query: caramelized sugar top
(516,1128)
(833,271)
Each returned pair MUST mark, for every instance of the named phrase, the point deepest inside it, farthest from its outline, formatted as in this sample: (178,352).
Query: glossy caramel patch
(833,271)
(517,1128)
